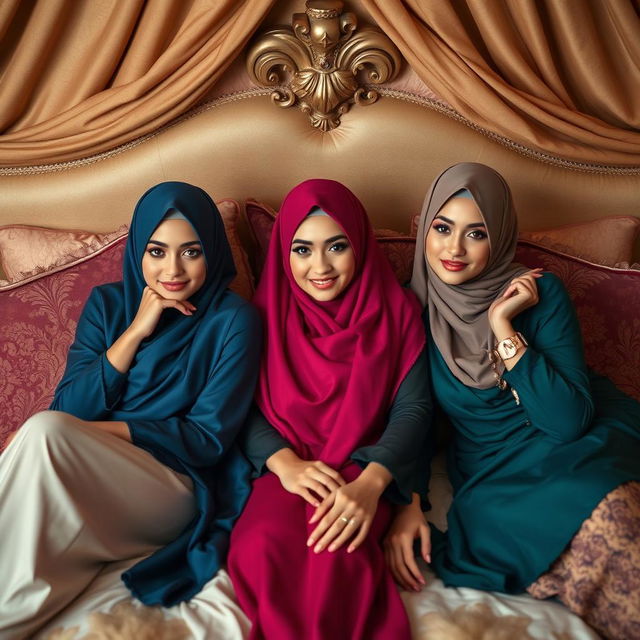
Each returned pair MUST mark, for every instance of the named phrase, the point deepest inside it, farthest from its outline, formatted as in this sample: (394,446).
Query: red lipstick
(174,286)
(324,283)
(453,265)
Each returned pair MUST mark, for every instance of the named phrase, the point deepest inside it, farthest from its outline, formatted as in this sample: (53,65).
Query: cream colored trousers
(73,498)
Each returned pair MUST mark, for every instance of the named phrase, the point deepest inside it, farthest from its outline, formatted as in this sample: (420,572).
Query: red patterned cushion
(607,301)
(37,325)
(398,248)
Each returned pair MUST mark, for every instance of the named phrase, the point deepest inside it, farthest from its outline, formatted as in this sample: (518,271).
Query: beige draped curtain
(560,76)
(78,77)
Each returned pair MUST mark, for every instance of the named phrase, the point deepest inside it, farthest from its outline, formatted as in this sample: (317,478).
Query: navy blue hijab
(175,331)
(186,394)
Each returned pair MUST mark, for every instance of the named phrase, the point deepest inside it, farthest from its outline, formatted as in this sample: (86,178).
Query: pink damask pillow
(607,301)
(27,253)
(398,248)
(37,324)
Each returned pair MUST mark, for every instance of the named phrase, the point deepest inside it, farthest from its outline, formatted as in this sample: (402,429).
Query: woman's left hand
(521,294)
(349,511)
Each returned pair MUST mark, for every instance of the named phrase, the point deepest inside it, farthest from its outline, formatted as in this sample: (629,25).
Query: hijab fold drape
(458,314)
(330,370)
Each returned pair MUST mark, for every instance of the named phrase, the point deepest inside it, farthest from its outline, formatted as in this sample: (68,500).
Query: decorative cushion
(607,241)
(397,248)
(607,301)
(27,253)
(37,325)
(25,249)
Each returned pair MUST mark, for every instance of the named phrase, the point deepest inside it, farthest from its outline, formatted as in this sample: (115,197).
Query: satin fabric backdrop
(556,76)
(79,78)
(83,77)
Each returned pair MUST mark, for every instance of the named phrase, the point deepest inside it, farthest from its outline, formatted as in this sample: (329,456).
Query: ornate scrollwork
(322,64)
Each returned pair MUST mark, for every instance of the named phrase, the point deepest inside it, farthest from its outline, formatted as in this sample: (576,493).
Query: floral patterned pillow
(399,249)
(37,325)
(607,301)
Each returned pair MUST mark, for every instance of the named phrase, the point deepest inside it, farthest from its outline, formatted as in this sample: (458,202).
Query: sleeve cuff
(522,368)
(112,383)
(399,489)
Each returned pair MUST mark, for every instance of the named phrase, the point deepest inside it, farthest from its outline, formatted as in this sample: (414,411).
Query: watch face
(507,349)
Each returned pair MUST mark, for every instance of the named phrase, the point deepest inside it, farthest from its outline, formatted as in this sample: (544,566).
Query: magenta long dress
(329,374)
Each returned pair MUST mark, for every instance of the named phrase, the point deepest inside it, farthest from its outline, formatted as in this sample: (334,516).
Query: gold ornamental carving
(323,62)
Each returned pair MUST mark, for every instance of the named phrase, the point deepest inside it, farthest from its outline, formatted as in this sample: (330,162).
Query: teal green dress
(525,476)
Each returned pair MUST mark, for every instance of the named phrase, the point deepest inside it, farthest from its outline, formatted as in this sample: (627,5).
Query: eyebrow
(469,226)
(166,246)
(327,241)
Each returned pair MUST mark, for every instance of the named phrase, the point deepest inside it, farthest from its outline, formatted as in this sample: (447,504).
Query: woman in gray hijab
(544,460)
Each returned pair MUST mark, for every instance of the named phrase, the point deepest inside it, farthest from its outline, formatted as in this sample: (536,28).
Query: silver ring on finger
(344,519)
(353,521)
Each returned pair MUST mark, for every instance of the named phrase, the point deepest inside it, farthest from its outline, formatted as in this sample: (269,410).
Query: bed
(262,128)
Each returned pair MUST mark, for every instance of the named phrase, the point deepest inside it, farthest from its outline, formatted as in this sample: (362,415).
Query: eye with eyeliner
(338,247)
(301,250)
(155,252)
(441,227)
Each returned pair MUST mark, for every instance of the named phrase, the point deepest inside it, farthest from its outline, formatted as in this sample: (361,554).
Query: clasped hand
(347,513)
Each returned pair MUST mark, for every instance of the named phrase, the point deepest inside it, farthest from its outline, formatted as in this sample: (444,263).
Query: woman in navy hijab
(136,458)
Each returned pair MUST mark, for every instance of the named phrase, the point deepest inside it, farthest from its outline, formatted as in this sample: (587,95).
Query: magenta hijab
(330,371)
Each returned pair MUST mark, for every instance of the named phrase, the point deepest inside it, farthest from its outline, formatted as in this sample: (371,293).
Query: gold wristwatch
(508,348)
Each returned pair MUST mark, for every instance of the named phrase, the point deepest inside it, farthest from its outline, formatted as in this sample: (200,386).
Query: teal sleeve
(402,448)
(551,378)
(90,387)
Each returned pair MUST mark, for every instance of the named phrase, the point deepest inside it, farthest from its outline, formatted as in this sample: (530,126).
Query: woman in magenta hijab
(340,416)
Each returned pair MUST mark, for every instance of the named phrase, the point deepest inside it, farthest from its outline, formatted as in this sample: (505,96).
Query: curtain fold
(82,77)
(79,78)
(558,76)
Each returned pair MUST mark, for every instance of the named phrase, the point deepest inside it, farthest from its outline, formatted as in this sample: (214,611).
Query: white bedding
(215,615)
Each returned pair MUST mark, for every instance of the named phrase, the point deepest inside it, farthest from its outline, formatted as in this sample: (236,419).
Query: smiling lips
(453,265)
(174,286)
(325,283)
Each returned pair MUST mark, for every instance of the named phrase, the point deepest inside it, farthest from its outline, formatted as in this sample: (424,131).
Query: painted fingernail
(310,541)
(332,548)
(318,548)
(350,550)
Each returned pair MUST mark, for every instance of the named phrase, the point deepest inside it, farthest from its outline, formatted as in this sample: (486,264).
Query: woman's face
(173,264)
(457,245)
(322,260)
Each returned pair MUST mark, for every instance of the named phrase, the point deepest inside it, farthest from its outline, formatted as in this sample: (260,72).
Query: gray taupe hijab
(458,313)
